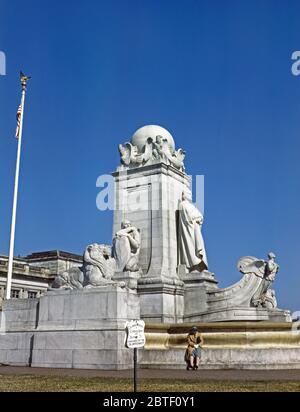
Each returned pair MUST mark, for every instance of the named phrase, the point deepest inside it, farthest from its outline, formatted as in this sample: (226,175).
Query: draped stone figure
(264,296)
(190,241)
(126,248)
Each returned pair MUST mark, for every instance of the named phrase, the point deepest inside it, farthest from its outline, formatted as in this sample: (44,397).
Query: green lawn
(24,383)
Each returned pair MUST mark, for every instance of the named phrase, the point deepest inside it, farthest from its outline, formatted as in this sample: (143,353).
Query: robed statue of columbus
(190,241)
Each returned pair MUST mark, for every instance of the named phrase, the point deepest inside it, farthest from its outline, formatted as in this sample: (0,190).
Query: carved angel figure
(261,268)
(266,270)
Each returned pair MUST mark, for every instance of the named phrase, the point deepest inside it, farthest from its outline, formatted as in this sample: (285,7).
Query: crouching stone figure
(126,248)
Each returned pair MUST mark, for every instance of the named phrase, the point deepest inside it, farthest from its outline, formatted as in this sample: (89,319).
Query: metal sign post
(135,370)
(134,339)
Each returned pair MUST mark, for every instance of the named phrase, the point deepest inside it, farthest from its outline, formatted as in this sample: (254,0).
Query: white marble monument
(153,193)
(155,269)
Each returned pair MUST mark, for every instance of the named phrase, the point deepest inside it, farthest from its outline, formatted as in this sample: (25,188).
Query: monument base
(85,329)
(227,345)
(69,329)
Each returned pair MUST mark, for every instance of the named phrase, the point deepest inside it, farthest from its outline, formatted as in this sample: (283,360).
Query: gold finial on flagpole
(24,79)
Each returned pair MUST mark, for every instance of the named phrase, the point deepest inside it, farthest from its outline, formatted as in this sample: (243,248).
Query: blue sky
(216,74)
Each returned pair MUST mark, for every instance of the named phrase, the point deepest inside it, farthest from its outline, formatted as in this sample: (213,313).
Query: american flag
(18,116)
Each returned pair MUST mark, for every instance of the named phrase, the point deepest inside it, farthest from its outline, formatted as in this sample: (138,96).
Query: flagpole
(16,187)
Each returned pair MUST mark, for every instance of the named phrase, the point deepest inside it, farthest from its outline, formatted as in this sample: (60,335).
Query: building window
(15,293)
(31,295)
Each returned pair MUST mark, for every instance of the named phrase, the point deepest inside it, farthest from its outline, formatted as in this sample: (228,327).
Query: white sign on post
(135,335)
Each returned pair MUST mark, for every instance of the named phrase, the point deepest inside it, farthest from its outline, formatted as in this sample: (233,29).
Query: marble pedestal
(70,329)
(196,285)
(148,196)
(161,299)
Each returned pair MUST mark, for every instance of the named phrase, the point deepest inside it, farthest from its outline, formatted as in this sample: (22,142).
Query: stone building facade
(33,274)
